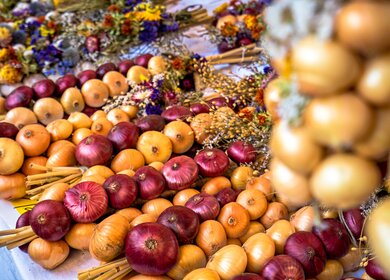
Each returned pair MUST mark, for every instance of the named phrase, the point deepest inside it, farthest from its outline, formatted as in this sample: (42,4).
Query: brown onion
(34,139)
(183,196)
(180,172)
(303,219)
(235,219)
(48,254)
(333,271)
(259,249)
(211,237)
(11,156)
(80,235)
(47,110)
(279,232)
(156,206)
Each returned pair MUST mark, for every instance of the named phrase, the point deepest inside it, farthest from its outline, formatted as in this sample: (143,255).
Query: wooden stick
(42,188)
(234,60)
(85,274)
(21,242)
(13,231)
(36,197)
(53,174)
(6,240)
(121,273)
(54,168)
(42,181)
(231,52)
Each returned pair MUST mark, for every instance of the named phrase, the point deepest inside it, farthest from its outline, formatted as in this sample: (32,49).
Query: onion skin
(124,135)
(180,172)
(205,205)
(8,130)
(354,221)
(308,250)
(19,97)
(50,220)
(375,271)
(151,183)
(241,152)
(151,122)
(259,249)
(23,220)
(48,254)
(212,162)
(86,202)
(176,112)
(351,261)
(283,267)
(94,150)
(121,189)
(145,246)
(275,211)
(182,221)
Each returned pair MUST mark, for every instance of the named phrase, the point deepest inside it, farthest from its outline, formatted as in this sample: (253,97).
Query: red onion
(247,276)
(89,110)
(86,75)
(241,152)
(121,190)
(306,248)
(334,237)
(212,162)
(66,82)
(226,196)
(198,108)
(22,221)
(44,88)
(19,97)
(151,249)
(151,122)
(283,267)
(151,182)
(205,205)
(182,221)
(375,271)
(123,135)
(176,112)
(86,202)
(94,150)
(143,60)
(352,278)
(8,130)
(219,102)
(354,220)
(124,66)
(105,68)
(180,172)
(50,220)
(196,147)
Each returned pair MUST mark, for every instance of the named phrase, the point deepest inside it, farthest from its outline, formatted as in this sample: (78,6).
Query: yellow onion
(156,206)
(275,211)
(376,146)
(295,148)
(27,168)
(143,218)
(364,26)
(80,134)
(226,19)
(55,192)
(303,219)
(234,241)
(235,219)
(291,187)
(79,120)
(240,177)
(378,228)
(279,232)
(59,129)
(93,178)
(129,213)
(12,186)
(79,236)
(146,277)
(138,74)
(273,94)
(130,110)
(20,117)
(228,262)
(47,110)
(333,270)
(338,121)
(72,100)
(200,124)
(344,181)
(351,260)
(65,156)
(183,196)
(262,184)
(101,126)
(324,68)
(156,65)
(101,170)
(48,254)
(211,237)
(191,257)
(259,249)
(254,227)
(11,156)
(97,115)
(202,274)
(127,159)
(116,116)
(254,201)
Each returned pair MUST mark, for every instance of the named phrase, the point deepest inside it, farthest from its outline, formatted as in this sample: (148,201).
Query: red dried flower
(177,63)
(108,21)
(113,8)
(259,97)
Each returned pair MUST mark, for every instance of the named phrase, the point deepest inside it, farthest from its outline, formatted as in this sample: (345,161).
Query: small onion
(283,267)
(86,75)
(94,150)
(202,274)
(212,162)
(12,186)
(151,122)
(205,205)
(86,202)
(375,271)
(8,130)
(59,129)
(151,182)
(55,192)
(72,100)
(19,97)
(183,196)
(143,218)
(101,126)
(79,236)
(79,120)
(155,146)
(211,237)
(105,68)
(22,221)
(308,250)
(117,115)
(354,220)
(121,189)
(180,172)
(241,152)
(123,135)
(50,220)
(127,159)
(303,219)
(181,135)
(151,248)
(235,219)
(182,221)
(176,112)
(226,195)
(124,66)
(143,59)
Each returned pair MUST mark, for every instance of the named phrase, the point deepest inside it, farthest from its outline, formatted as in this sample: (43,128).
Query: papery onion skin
(86,202)
(354,220)
(303,219)
(283,267)
(123,135)
(308,250)
(94,150)
(151,248)
(151,182)
(22,221)
(334,237)
(19,97)
(121,189)
(241,152)
(183,221)
(212,162)
(50,220)
(375,271)
(180,172)
(205,205)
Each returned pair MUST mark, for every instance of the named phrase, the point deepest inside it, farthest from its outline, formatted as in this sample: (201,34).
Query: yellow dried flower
(4,54)
(5,37)
(145,15)
(251,22)
(229,29)
(221,8)
(9,75)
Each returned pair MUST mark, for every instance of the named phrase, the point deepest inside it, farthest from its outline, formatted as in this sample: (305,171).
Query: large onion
(205,205)
(241,152)
(259,249)
(212,162)
(180,172)
(121,189)
(151,183)
(123,135)
(283,267)
(94,150)
(151,248)
(19,97)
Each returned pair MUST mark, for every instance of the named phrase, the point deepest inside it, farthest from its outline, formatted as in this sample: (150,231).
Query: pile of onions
(308,250)
(94,150)
(334,237)
(283,267)
(86,202)
(182,221)
(151,249)
(180,172)
(121,189)
(241,152)
(50,220)
(212,162)
(151,183)
(205,205)
(123,135)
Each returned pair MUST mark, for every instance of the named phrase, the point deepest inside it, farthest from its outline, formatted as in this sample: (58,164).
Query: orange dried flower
(126,27)
(108,21)
(247,113)
(261,119)
(113,8)
(177,63)
(259,97)
(229,29)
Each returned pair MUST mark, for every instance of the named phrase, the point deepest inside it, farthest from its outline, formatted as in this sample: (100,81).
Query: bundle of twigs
(109,271)
(16,237)
(248,53)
